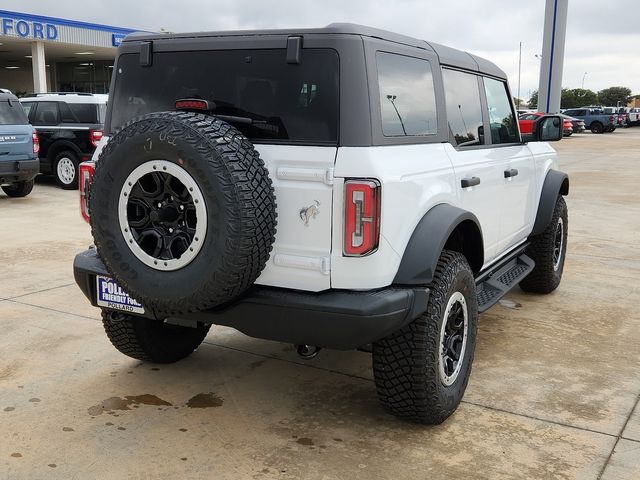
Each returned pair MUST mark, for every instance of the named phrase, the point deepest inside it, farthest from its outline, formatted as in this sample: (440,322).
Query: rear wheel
(548,250)
(596,127)
(151,340)
(422,370)
(65,169)
(19,189)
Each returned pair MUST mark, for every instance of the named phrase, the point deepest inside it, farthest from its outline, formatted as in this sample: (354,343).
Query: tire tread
(250,206)
(404,363)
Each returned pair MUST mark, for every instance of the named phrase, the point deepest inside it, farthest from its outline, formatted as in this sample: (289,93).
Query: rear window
(407,95)
(78,112)
(295,103)
(11,113)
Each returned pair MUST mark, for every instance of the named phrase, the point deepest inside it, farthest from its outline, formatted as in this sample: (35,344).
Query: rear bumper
(12,171)
(339,319)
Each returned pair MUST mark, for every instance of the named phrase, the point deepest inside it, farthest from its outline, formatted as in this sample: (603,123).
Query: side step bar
(495,283)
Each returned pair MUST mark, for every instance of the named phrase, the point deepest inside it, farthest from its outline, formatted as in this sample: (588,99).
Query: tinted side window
(78,112)
(464,111)
(46,114)
(407,96)
(502,121)
(27,106)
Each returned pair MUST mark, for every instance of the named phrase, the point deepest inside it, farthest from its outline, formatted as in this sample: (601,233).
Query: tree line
(580,97)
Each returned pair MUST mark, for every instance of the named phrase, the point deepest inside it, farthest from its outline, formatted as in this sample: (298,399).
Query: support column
(555,29)
(38,65)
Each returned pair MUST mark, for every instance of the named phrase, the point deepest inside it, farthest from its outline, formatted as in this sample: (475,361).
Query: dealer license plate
(111,295)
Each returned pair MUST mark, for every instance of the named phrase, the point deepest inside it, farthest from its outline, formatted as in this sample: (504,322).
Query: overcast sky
(603,38)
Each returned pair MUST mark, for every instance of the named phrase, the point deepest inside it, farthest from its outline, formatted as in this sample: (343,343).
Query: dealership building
(45,54)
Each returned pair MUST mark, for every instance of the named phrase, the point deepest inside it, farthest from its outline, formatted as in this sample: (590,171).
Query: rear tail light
(361,217)
(36,143)
(95,136)
(611,119)
(85,179)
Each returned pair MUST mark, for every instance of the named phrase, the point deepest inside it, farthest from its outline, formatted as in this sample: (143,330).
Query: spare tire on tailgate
(183,212)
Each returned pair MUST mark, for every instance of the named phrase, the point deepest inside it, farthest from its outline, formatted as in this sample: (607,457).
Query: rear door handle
(510,173)
(470,182)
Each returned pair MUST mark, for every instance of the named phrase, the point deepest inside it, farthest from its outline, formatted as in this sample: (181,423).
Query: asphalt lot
(555,383)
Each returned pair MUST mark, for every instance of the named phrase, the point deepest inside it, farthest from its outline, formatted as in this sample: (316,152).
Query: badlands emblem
(310,212)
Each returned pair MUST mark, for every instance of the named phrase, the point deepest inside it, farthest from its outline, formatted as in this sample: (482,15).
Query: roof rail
(44,94)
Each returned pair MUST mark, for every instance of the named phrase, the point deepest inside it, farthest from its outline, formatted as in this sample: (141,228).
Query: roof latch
(146,54)
(294,45)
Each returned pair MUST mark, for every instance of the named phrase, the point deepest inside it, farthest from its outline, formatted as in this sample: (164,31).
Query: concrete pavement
(553,394)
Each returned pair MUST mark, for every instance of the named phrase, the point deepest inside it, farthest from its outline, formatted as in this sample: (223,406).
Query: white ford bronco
(342,187)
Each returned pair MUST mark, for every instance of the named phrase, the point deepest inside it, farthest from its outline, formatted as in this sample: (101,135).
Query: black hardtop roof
(447,55)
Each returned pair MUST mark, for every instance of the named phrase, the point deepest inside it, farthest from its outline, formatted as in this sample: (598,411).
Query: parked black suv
(69,126)
(18,148)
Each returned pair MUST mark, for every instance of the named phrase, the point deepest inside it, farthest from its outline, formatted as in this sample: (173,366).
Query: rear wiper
(242,120)
(200,104)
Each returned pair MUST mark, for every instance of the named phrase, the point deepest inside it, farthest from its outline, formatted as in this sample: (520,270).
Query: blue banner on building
(117,38)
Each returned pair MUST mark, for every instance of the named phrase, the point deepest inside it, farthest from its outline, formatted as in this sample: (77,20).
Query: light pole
(585,74)
(392,99)
(519,69)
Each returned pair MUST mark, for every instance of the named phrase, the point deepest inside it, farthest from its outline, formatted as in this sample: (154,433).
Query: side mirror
(547,128)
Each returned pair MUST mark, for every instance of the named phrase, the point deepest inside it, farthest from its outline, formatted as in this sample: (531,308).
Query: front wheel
(65,168)
(548,250)
(151,340)
(19,189)
(421,371)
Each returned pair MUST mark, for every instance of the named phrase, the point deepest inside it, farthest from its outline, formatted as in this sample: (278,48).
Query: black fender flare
(421,256)
(555,183)
(60,145)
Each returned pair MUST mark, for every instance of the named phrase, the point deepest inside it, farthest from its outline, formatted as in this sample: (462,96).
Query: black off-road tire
(596,127)
(151,340)
(239,199)
(19,189)
(69,156)
(546,275)
(406,363)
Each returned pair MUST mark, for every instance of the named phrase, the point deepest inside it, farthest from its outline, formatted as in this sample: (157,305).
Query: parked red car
(526,121)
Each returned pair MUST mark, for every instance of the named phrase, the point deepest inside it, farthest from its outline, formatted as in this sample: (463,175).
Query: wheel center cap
(168,214)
